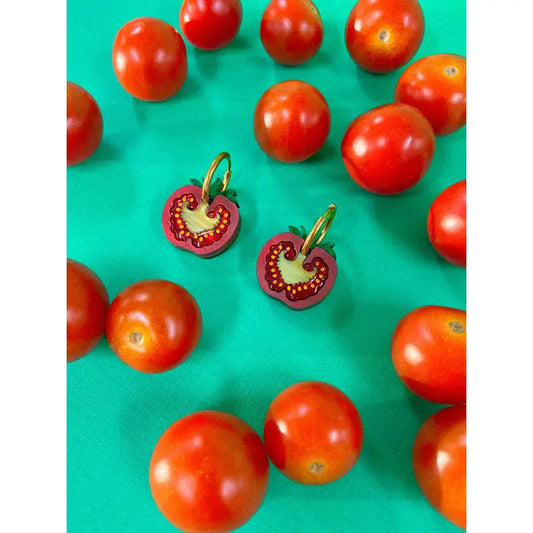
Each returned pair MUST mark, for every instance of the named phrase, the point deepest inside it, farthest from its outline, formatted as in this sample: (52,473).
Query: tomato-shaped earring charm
(203,218)
(295,268)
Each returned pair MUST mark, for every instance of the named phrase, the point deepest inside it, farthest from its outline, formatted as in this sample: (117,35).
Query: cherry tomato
(150,59)
(85,125)
(210,24)
(209,472)
(436,85)
(313,433)
(291,121)
(447,224)
(383,35)
(439,462)
(388,149)
(154,325)
(291,32)
(429,353)
(87,305)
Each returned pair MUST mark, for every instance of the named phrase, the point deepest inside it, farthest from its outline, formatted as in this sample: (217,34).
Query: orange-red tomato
(429,353)
(383,35)
(291,121)
(439,462)
(209,472)
(210,24)
(313,433)
(388,149)
(150,59)
(446,224)
(85,125)
(154,325)
(87,305)
(291,32)
(436,85)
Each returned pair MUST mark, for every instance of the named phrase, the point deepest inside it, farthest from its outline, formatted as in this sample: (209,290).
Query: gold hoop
(210,173)
(322,225)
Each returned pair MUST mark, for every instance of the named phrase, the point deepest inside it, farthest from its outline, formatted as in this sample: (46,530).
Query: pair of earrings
(293,267)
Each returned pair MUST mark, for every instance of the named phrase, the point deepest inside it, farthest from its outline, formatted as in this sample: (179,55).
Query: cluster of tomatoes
(209,470)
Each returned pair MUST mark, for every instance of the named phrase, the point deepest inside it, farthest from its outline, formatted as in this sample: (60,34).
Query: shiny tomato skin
(85,125)
(429,353)
(209,472)
(291,121)
(388,149)
(150,59)
(210,24)
(383,35)
(313,433)
(87,306)
(446,224)
(439,462)
(291,32)
(153,325)
(436,85)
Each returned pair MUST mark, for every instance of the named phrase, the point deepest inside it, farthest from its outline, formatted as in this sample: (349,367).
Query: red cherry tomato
(313,433)
(150,59)
(154,325)
(210,24)
(291,32)
(429,353)
(209,472)
(291,121)
(87,305)
(85,125)
(383,35)
(447,224)
(436,85)
(388,149)
(439,462)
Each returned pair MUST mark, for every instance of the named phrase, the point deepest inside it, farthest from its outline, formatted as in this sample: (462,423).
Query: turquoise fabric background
(252,346)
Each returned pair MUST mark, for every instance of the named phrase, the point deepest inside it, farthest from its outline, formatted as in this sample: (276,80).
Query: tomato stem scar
(136,337)
(384,35)
(450,71)
(457,327)
(316,467)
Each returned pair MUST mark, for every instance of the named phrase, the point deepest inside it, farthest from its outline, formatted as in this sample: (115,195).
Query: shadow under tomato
(106,152)
(404,216)
(363,330)
(207,62)
(380,87)
(145,416)
(239,43)
(390,430)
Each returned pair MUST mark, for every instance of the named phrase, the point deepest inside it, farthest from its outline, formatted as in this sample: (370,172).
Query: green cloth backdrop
(252,346)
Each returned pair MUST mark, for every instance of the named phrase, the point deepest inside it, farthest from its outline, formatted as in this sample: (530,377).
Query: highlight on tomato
(439,462)
(291,32)
(209,472)
(429,353)
(154,325)
(446,224)
(85,125)
(383,35)
(150,59)
(87,307)
(210,24)
(436,85)
(291,121)
(388,149)
(313,433)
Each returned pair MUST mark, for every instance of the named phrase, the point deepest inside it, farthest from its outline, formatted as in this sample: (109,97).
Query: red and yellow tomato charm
(203,218)
(295,268)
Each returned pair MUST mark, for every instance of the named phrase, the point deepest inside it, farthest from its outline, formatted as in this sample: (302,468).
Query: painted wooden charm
(203,218)
(295,268)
